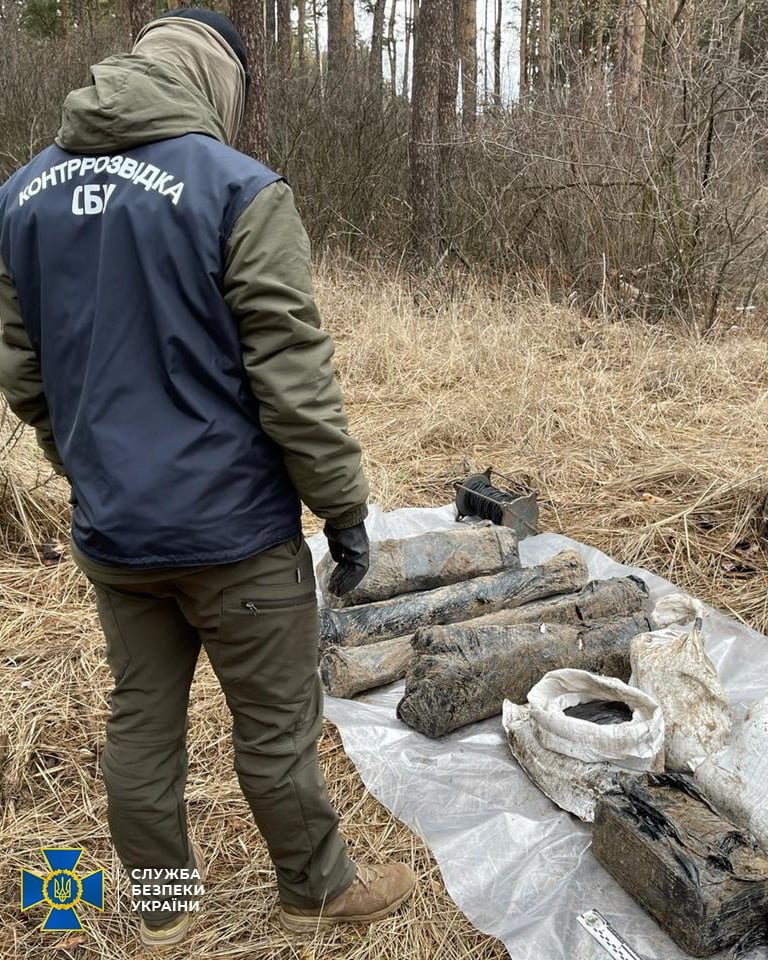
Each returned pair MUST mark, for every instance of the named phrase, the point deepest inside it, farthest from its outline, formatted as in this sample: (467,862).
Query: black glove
(349,548)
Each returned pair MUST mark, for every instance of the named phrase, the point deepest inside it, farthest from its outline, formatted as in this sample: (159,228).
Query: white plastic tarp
(519,868)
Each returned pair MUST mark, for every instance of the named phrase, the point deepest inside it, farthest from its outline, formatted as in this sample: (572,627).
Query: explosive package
(691,850)
(457,615)
(599,694)
(695,872)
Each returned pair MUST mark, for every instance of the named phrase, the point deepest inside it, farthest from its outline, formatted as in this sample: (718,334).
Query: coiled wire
(477,497)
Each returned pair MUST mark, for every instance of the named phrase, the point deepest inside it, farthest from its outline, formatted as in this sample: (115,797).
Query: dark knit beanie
(222,25)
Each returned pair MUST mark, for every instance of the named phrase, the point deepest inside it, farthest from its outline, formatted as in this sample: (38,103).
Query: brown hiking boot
(177,929)
(375,893)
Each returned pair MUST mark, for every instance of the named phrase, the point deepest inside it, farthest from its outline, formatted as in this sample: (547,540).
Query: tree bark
(271,29)
(301,7)
(248,18)
(449,75)
(469,65)
(334,36)
(447,129)
(316,33)
(348,41)
(523,80)
(82,12)
(341,34)
(284,36)
(426,192)
(392,47)
(497,54)
(375,66)
(485,51)
(545,29)
(412,7)
(632,49)
(737,29)
(599,35)
(672,34)
(140,12)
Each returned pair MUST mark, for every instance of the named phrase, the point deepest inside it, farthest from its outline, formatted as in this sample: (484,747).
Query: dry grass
(647,443)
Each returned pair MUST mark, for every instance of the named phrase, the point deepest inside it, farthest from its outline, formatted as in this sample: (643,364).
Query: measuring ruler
(598,927)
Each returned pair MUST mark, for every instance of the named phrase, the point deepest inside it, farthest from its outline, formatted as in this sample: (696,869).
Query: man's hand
(349,548)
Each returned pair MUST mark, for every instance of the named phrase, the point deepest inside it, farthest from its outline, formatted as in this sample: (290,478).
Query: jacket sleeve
(20,380)
(287,357)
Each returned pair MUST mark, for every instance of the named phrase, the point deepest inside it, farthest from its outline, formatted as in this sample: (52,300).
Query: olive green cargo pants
(257,620)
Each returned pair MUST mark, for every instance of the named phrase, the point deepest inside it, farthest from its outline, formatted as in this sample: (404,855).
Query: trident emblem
(62,888)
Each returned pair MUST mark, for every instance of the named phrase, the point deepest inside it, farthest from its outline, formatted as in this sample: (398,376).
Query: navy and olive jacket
(183,384)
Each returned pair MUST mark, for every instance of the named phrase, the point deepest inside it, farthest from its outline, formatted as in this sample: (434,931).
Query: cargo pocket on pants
(267,641)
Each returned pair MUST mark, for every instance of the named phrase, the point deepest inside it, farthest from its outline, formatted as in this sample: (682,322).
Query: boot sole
(172,939)
(297,924)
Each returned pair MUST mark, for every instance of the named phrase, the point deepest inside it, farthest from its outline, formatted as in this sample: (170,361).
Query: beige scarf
(204,58)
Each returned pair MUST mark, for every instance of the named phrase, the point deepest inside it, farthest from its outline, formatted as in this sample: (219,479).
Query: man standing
(160,334)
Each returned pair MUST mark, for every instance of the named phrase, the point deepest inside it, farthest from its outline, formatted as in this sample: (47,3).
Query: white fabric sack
(571,784)
(736,780)
(635,745)
(674,608)
(676,671)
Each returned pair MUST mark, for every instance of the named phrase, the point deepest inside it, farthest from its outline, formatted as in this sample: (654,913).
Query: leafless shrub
(654,208)
(36,73)
(661,208)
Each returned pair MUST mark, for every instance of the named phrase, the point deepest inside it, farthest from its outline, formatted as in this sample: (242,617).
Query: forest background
(613,152)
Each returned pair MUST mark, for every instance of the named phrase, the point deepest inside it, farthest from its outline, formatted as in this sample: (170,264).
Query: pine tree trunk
(334,36)
(316,33)
(301,6)
(140,12)
(634,49)
(449,74)
(671,39)
(599,36)
(248,17)
(485,51)
(545,29)
(497,54)
(446,99)
(411,7)
(284,36)
(348,44)
(392,47)
(523,81)
(425,189)
(375,67)
(469,64)
(737,29)
(271,28)
(81,14)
